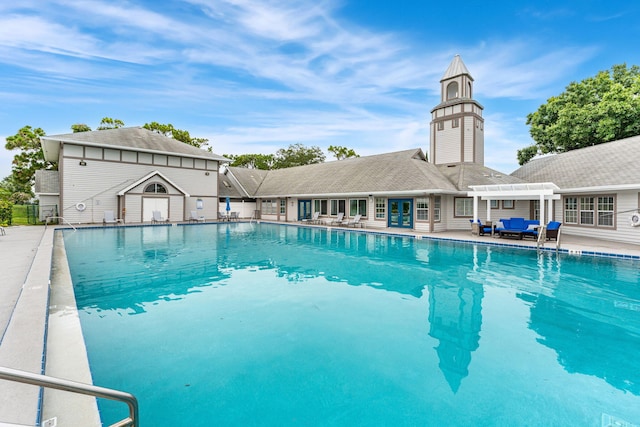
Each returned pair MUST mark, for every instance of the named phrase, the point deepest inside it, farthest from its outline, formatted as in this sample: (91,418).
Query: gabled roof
(608,165)
(47,182)
(133,138)
(402,172)
(464,175)
(248,180)
(148,177)
(456,68)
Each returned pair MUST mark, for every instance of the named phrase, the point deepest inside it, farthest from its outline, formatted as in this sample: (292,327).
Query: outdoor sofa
(517,227)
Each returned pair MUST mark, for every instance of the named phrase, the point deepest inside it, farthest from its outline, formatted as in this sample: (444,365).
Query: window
(508,204)
(338,205)
(440,125)
(495,204)
(592,211)
(452,90)
(422,208)
(571,210)
(455,123)
(358,207)
(320,206)
(605,211)
(436,209)
(283,206)
(269,207)
(587,210)
(155,188)
(535,208)
(381,208)
(463,206)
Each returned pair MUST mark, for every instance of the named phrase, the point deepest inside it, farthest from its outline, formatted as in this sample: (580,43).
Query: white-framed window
(422,209)
(463,206)
(269,207)
(571,210)
(320,206)
(436,209)
(605,211)
(590,211)
(337,206)
(283,206)
(381,208)
(357,207)
(155,188)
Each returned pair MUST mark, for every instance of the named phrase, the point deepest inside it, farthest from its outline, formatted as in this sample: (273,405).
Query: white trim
(146,178)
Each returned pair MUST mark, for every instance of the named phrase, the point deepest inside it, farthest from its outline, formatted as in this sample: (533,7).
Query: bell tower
(457,126)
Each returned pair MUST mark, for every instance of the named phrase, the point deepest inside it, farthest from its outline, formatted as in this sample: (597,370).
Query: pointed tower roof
(456,68)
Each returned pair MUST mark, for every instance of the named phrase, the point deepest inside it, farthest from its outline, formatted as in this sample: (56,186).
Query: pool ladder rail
(76,387)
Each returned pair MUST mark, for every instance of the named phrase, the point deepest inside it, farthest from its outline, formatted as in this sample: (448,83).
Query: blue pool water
(272,325)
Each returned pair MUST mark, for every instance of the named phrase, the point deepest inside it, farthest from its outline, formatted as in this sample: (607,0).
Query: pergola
(535,191)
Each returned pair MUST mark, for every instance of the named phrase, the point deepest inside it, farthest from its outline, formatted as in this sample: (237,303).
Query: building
(131,172)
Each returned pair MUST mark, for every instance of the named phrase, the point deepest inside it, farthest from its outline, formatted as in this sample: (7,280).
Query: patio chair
(338,219)
(552,230)
(222,216)
(2,231)
(482,228)
(195,218)
(109,218)
(234,216)
(157,217)
(354,222)
(314,219)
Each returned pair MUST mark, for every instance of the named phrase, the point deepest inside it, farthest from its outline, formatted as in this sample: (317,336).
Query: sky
(254,76)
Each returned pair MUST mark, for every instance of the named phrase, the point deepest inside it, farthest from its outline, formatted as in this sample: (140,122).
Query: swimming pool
(263,324)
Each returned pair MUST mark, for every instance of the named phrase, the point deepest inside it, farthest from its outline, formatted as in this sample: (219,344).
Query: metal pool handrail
(76,387)
(46,221)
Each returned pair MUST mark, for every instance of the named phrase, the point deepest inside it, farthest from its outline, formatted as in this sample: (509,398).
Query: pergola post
(475,208)
(542,221)
(550,210)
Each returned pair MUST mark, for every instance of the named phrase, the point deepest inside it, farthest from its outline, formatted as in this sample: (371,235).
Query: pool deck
(26,253)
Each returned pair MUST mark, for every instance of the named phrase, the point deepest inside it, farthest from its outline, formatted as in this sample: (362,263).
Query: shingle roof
(403,171)
(137,138)
(608,164)
(47,182)
(463,175)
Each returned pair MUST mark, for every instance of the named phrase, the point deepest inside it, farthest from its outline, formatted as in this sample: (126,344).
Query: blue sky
(254,76)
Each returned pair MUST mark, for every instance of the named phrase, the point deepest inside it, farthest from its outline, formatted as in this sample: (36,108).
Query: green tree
(80,127)
(177,134)
(598,109)
(28,160)
(297,155)
(251,161)
(109,123)
(341,153)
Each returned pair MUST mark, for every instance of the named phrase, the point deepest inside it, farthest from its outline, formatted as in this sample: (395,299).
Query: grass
(19,215)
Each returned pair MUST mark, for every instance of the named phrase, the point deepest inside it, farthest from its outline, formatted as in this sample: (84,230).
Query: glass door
(304,209)
(400,213)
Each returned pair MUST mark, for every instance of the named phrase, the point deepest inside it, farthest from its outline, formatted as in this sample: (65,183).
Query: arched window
(155,188)
(452,90)
(469,94)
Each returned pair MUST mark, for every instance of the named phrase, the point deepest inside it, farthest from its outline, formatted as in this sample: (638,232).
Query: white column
(550,210)
(542,221)
(488,210)
(475,208)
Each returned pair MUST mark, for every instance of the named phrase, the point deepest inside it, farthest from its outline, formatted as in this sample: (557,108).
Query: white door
(150,204)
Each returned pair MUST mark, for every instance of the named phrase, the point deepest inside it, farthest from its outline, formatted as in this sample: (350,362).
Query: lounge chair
(157,217)
(338,219)
(222,216)
(109,218)
(2,231)
(195,218)
(314,219)
(354,222)
(234,216)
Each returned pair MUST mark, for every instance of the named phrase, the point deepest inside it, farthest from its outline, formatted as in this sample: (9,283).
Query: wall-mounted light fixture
(206,173)
(82,163)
